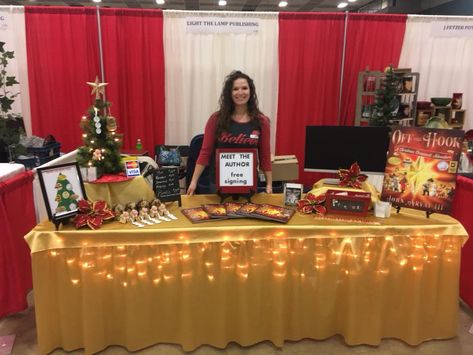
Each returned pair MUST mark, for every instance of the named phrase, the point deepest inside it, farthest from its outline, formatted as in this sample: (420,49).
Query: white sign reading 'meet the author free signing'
(236,169)
(221,25)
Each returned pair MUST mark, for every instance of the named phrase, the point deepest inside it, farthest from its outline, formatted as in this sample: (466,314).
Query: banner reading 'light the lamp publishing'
(222,25)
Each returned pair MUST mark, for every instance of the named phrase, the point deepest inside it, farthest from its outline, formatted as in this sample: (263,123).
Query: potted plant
(11,124)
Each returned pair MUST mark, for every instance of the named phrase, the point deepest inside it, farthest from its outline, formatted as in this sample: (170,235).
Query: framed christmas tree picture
(62,188)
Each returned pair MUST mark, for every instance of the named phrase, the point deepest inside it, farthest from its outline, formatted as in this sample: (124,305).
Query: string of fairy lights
(301,257)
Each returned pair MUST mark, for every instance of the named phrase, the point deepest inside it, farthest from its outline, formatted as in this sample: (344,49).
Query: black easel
(427,213)
(235,197)
(60,220)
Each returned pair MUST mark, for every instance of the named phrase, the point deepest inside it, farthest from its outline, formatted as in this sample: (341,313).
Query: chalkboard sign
(166,184)
(348,202)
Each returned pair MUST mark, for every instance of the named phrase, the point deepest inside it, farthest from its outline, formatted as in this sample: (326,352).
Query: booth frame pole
(342,68)
(99,34)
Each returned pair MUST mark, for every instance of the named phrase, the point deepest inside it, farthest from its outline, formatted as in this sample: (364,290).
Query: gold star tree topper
(98,88)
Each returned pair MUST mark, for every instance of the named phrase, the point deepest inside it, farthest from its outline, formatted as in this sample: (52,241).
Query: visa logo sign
(132,168)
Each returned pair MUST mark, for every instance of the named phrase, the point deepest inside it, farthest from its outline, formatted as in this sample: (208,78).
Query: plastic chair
(203,185)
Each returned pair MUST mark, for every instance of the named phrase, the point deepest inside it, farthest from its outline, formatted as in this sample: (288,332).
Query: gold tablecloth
(246,281)
(120,192)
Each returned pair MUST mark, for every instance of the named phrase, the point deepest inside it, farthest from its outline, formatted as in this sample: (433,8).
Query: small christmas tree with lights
(102,143)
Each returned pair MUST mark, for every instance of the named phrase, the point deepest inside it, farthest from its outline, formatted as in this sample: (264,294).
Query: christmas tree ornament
(97,154)
(111,124)
(98,88)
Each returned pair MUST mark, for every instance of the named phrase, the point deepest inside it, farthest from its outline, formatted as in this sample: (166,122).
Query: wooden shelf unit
(454,117)
(370,81)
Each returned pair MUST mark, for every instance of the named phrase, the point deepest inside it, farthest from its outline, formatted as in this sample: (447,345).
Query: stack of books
(219,211)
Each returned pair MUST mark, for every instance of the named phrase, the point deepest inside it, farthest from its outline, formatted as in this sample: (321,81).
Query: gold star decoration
(98,88)
(419,172)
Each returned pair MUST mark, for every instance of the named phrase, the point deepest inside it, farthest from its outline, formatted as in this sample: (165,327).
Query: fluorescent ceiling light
(222,3)
(160,2)
(97,0)
(282,4)
(342,5)
(351,0)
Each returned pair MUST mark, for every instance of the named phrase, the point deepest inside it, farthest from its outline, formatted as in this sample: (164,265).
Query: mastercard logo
(131,164)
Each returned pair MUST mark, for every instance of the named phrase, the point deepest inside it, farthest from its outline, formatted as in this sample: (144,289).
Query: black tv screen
(329,148)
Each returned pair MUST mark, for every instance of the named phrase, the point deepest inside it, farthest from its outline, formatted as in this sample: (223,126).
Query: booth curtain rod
(222,13)
(342,68)
(99,30)
(453,17)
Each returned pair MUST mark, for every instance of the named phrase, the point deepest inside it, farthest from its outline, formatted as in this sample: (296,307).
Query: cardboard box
(285,168)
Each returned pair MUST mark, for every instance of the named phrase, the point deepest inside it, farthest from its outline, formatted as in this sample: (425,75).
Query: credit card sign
(132,168)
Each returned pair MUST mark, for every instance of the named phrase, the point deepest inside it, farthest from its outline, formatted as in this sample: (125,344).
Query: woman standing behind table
(238,124)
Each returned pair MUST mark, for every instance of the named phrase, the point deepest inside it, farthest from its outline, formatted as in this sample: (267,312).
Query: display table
(246,281)
(17,217)
(8,170)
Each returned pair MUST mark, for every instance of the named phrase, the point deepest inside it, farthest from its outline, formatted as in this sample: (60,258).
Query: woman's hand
(191,189)
(269,189)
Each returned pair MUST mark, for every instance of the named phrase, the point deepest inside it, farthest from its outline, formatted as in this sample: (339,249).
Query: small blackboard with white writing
(166,185)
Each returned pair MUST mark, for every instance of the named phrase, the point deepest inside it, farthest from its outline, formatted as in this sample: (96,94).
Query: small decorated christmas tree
(386,100)
(102,144)
(66,198)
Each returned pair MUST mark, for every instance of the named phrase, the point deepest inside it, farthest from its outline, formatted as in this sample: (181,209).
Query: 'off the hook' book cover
(421,168)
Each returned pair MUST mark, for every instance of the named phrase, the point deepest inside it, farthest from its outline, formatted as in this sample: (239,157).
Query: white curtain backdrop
(197,63)
(444,63)
(12,32)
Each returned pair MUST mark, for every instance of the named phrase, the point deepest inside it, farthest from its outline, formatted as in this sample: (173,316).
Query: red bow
(92,214)
(352,177)
(312,203)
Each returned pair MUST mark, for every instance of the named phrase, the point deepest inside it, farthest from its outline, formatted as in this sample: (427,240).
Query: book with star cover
(247,209)
(421,168)
(273,213)
(215,210)
(196,215)
(232,208)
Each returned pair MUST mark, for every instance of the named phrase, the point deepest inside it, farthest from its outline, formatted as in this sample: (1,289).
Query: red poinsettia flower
(92,214)
(352,177)
(84,206)
(312,204)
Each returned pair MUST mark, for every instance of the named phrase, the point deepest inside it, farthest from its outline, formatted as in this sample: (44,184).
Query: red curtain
(461,210)
(134,68)
(373,41)
(62,46)
(17,218)
(310,54)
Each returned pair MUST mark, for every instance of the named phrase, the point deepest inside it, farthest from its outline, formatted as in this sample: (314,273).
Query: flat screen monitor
(329,148)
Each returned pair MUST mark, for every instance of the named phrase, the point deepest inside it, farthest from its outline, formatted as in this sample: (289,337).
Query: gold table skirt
(246,281)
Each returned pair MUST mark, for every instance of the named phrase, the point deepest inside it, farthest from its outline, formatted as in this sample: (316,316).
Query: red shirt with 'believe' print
(239,135)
